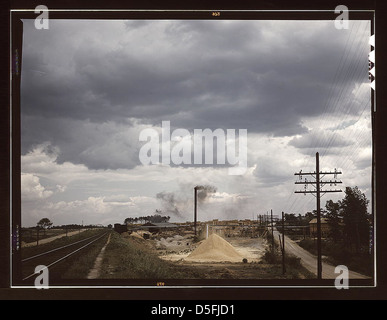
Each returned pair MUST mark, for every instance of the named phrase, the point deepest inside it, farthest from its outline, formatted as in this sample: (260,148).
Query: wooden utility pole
(319,254)
(283,244)
(267,218)
(37,236)
(195,207)
(317,184)
(272,229)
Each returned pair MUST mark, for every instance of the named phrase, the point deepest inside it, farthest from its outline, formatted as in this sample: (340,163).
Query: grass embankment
(293,267)
(338,254)
(128,259)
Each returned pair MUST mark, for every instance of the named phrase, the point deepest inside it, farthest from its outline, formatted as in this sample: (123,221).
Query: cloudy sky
(90,87)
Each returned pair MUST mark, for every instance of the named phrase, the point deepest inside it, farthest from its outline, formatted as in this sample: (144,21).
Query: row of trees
(299,220)
(156,218)
(46,223)
(348,219)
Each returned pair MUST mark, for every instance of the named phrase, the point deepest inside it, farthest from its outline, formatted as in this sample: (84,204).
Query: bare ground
(177,250)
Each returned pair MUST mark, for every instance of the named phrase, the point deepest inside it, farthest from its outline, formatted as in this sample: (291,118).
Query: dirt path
(309,261)
(47,240)
(94,273)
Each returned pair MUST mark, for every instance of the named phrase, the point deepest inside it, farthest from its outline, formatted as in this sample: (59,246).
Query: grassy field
(31,234)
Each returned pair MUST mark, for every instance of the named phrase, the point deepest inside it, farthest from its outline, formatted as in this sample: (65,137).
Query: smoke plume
(204,191)
(169,202)
(180,204)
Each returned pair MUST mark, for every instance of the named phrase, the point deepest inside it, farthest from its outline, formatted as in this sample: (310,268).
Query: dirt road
(309,261)
(47,240)
(95,271)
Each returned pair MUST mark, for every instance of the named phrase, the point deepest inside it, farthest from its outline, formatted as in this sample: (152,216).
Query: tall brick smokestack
(202,195)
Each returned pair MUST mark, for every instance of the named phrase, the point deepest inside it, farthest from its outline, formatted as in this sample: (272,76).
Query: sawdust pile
(136,235)
(215,249)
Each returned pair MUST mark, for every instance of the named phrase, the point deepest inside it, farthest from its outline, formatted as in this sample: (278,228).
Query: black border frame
(234,293)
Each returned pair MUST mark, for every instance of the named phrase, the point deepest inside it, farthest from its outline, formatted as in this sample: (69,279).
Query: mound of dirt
(215,249)
(136,235)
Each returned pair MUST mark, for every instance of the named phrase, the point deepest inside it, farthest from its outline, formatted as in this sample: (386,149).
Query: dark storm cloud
(320,139)
(97,145)
(197,74)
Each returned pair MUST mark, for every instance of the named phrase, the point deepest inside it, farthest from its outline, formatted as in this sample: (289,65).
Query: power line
(334,103)
(350,66)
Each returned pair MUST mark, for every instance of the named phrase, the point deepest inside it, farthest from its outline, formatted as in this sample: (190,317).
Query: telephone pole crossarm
(304,173)
(315,191)
(314,182)
(314,172)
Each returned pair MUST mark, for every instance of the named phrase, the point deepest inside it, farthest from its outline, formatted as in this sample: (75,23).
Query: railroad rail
(54,256)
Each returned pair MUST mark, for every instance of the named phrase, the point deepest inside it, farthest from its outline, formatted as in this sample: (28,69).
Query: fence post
(37,236)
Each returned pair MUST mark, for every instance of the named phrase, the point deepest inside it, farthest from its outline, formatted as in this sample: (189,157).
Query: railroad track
(56,258)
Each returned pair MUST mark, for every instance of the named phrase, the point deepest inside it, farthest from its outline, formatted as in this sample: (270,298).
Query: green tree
(44,223)
(334,218)
(355,217)
(309,216)
(291,219)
